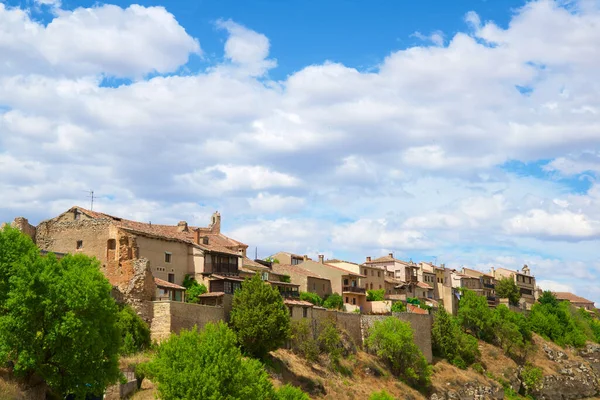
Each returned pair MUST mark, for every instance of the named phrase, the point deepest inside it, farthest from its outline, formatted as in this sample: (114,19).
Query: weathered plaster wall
(170,316)
(154,250)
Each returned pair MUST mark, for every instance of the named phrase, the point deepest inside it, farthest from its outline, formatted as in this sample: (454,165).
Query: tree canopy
(135,333)
(376,295)
(334,302)
(506,288)
(58,320)
(193,289)
(259,317)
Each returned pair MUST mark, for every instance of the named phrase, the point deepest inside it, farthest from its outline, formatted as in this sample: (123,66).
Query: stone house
(168,291)
(374,274)
(575,300)
(308,281)
(487,285)
(524,281)
(173,251)
(405,271)
(289,258)
(299,309)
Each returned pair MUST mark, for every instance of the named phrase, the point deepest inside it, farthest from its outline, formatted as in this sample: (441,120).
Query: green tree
(334,302)
(259,317)
(329,340)
(311,298)
(207,365)
(511,329)
(398,307)
(548,298)
(59,321)
(289,392)
(193,289)
(506,288)
(303,341)
(475,316)
(272,260)
(376,295)
(135,334)
(383,395)
(286,278)
(449,342)
(559,323)
(392,341)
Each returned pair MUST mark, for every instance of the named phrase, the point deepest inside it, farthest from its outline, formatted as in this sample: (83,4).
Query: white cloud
(266,203)
(554,286)
(564,225)
(369,234)
(588,161)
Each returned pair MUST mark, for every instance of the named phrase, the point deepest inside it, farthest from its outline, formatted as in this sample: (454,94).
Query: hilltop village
(147,264)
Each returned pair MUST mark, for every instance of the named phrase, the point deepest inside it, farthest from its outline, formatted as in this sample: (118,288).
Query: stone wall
(348,322)
(378,307)
(172,317)
(24,226)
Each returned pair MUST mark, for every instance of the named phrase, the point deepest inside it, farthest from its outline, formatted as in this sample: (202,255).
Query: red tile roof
(212,294)
(302,303)
(424,285)
(216,241)
(416,310)
(571,297)
(288,269)
(165,284)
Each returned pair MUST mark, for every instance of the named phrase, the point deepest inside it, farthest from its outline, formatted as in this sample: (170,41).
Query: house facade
(307,281)
(524,281)
(575,300)
(404,271)
(487,284)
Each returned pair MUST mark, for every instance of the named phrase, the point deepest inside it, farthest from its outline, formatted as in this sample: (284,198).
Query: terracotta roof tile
(212,294)
(165,284)
(288,269)
(424,285)
(571,297)
(302,303)
(416,310)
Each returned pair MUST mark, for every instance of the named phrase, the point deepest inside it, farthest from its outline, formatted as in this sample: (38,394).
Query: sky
(465,132)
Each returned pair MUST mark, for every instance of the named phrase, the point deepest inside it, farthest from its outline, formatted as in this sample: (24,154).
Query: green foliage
(506,288)
(398,307)
(329,340)
(193,289)
(451,343)
(594,324)
(334,302)
(392,341)
(548,298)
(383,395)
(135,334)
(286,279)
(558,323)
(207,365)
(477,367)
(512,331)
(272,259)
(475,316)
(311,298)
(289,392)
(54,310)
(303,341)
(532,378)
(414,301)
(376,295)
(259,317)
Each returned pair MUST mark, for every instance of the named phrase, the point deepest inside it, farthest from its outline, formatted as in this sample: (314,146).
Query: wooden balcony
(353,289)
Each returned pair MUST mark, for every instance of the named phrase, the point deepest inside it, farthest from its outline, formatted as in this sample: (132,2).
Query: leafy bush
(475,316)
(302,340)
(286,279)
(329,340)
(135,334)
(289,392)
(376,295)
(53,309)
(477,367)
(506,288)
(383,395)
(207,365)
(451,343)
(259,317)
(392,341)
(398,307)
(311,298)
(559,323)
(512,331)
(193,289)
(532,378)
(334,302)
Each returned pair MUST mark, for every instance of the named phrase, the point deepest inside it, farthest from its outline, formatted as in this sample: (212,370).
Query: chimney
(182,226)
(368,259)
(391,255)
(321,258)
(442,266)
(215,223)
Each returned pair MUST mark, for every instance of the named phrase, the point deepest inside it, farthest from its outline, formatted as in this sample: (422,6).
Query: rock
(471,391)
(574,381)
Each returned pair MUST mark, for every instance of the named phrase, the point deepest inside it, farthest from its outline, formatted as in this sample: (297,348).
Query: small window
(314,287)
(354,300)
(111,244)
(167,257)
(347,300)
(371,285)
(79,244)
(364,272)
(379,274)
(172,278)
(76,215)
(305,312)
(227,287)
(380,287)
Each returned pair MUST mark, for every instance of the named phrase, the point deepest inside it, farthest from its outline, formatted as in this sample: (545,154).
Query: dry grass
(147,392)
(10,391)
(126,361)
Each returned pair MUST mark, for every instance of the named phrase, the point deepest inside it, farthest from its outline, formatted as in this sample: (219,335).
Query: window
(379,274)
(347,300)
(236,286)
(314,287)
(305,312)
(323,287)
(354,300)
(227,287)
(380,287)
(371,285)
(76,215)
(111,244)
(79,244)
(364,271)
(172,278)
(264,276)
(167,257)
(345,282)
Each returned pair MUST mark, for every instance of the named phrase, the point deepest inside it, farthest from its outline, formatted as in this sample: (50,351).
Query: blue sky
(463,130)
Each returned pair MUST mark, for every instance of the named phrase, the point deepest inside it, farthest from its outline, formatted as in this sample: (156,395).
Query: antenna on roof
(91,197)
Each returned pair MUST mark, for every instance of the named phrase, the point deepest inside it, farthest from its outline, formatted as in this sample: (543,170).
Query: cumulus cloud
(564,225)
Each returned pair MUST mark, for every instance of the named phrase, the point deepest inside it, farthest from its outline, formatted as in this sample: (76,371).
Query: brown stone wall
(154,250)
(172,317)
(348,322)
(322,287)
(24,226)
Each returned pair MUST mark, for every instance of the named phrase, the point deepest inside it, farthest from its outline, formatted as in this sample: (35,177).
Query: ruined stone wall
(172,317)
(24,226)
(154,250)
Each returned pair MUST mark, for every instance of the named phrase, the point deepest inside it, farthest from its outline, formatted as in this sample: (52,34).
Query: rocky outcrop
(471,391)
(591,354)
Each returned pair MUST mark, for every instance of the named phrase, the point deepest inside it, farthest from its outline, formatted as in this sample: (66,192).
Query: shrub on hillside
(506,288)
(376,295)
(311,298)
(289,392)
(259,317)
(392,341)
(451,343)
(207,364)
(329,340)
(398,307)
(512,331)
(135,334)
(303,341)
(475,316)
(193,289)
(334,302)
(532,378)
(383,395)
(57,319)
(558,323)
